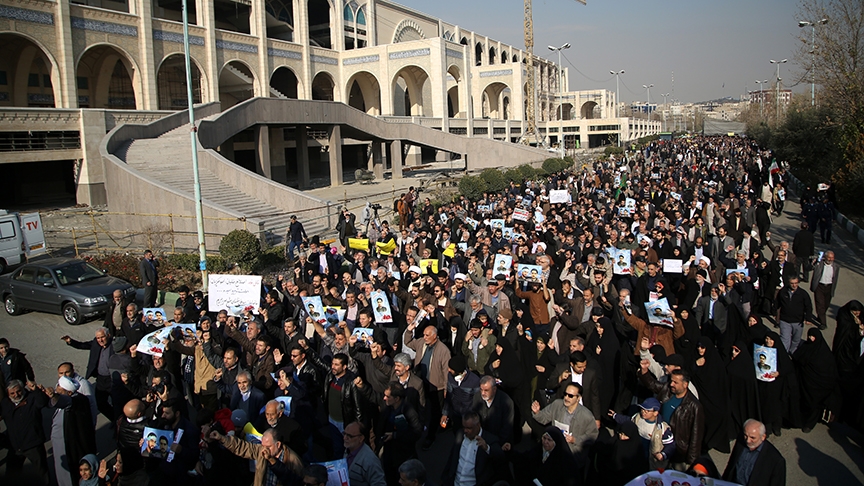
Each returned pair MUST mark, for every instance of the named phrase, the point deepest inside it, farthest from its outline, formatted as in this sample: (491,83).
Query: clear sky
(715,48)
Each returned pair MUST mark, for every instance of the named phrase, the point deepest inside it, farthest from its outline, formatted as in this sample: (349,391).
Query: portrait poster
(380,307)
(364,334)
(742,271)
(484,208)
(152,343)
(155,316)
(764,362)
(315,308)
(157,442)
(337,472)
(659,312)
(496,224)
(559,196)
(333,316)
(502,265)
(630,204)
(530,273)
(507,233)
(234,293)
(620,261)
(472,222)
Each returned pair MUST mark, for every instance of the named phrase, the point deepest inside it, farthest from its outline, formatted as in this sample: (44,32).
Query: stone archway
(454,107)
(171,83)
(107,78)
(284,84)
(236,84)
(589,110)
(411,92)
(494,96)
(364,93)
(323,87)
(32,78)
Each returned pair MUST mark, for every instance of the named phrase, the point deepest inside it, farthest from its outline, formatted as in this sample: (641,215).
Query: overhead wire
(583,74)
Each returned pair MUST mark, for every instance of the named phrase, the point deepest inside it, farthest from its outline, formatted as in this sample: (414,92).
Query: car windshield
(77,272)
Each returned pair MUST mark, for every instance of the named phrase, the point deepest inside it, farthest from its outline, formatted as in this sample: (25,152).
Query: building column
(262,151)
(302,150)
(395,154)
(205,16)
(66,76)
(277,155)
(258,28)
(301,36)
(377,160)
(438,82)
(335,152)
(91,173)
(147,64)
(465,99)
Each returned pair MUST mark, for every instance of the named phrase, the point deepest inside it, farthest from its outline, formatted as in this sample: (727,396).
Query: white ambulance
(21,237)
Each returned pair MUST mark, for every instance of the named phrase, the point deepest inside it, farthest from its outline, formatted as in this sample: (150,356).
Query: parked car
(70,287)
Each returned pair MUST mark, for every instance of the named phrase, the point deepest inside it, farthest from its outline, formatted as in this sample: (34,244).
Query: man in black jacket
(804,247)
(399,429)
(577,370)
(794,309)
(682,411)
(494,408)
(97,367)
(14,364)
(754,460)
(130,430)
(343,399)
(149,272)
(22,412)
(485,448)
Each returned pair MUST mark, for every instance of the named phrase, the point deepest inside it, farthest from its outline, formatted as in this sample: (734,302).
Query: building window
(83,82)
(3,78)
(33,80)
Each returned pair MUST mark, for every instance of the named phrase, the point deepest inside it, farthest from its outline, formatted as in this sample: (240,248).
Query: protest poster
(559,196)
(620,262)
(462,246)
(497,224)
(671,265)
(443,217)
(507,233)
(152,343)
(530,273)
(381,307)
(337,472)
(765,362)
(386,248)
(675,196)
(154,316)
(315,308)
(157,442)
(742,271)
(630,204)
(472,222)
(358,244)
(234,293)
(659,312)
(286,403)
(396,275)
(623,212)
(450,251)
(333,316)
(484,208)
(521,214)
(426,263)
(670,477)
(502,265)
(364,334)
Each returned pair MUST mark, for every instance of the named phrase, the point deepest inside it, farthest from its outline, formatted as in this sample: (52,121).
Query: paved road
(826,456)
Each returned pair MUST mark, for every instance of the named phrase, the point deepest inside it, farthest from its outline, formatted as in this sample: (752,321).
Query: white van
(21,237)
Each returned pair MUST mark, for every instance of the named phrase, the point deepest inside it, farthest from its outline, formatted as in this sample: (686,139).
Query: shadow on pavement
(816,464)
(850,440)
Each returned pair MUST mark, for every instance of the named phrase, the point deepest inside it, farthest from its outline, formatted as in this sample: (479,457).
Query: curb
(845,222)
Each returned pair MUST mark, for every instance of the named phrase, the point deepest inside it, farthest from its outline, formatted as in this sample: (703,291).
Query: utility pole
(617,99)
(648,102)
(761,97)
(812,25)
(665,98)
(777,89)
(561,101)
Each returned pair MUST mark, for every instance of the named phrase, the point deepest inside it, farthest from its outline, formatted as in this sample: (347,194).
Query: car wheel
(71,314)
(11,306)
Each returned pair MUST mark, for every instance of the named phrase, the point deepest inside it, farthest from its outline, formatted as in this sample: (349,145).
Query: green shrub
(186,261)
(527,172)
(271,257)
(513,175)
(494,179)
(613,150)
(216,264)
(240,247)
(472,187)
(551,166)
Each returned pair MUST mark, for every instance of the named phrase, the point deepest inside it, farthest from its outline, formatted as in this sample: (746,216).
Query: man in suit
(149,272)
(711,312)
(97,367)
(494,408)
(754,460)
(430,363)
(576,370)
(474,457)
(247,397)
(720,245)
(804,247)
(364,467)
(475,305)
(824,284)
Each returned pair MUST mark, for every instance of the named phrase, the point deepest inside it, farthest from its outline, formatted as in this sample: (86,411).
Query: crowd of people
(657,319)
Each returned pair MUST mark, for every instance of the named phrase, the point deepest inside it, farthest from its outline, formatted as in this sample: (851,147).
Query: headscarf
(711,381)
(93,461)
(847,340)
(509,371)
(817,371)
(627,452)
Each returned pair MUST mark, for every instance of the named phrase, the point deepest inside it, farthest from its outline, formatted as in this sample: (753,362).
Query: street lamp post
(812,25)
(761,97)
(777,89)
(617,99)
(665,97)
(193,135)
(648,103)
(561,96)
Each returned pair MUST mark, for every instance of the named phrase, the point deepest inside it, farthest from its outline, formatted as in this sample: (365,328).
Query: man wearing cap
(462,385)
(490,293)
(754,460)
(296,237)
(73,433)
(478,346)
(657,437)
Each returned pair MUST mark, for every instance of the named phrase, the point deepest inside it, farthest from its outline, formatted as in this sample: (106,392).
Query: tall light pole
(665,97)
(617,99)
(777,99)
(193,136)
(648,95)
(761,97)
(812,25)
(561,100)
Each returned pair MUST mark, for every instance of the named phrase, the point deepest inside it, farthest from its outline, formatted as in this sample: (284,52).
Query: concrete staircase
(168,160)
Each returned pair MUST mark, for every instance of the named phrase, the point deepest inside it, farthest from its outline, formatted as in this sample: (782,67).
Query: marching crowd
(657,319)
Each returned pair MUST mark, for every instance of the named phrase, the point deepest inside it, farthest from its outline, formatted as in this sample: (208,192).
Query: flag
(774,168)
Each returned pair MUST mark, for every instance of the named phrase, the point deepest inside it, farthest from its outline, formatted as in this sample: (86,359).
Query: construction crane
(531,133)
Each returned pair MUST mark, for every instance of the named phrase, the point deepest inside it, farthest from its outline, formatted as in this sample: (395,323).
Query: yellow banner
(358,243)
(424,266)
(386,248)
(450,251)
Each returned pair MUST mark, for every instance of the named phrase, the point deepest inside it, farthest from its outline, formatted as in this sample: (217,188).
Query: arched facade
(236,83)
(323,87)
(363,92)
(496,101)
(590,110)
(280,19)
(454,106)
(107,78)
(320,25)
(32,77)
(407,31)
(171,83)
(284,82)
(411,92)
